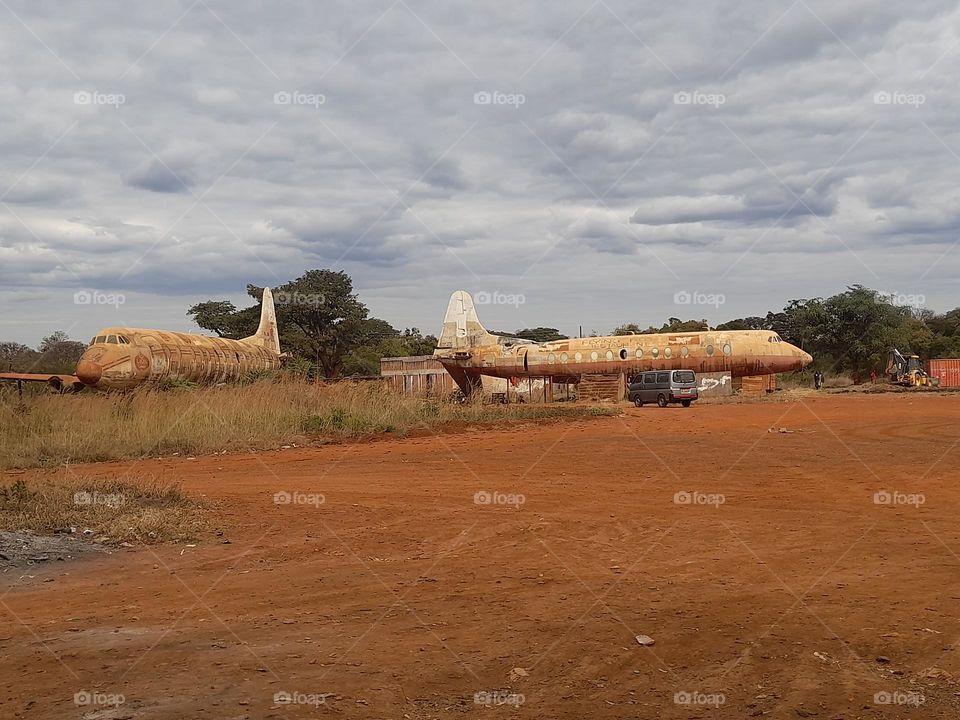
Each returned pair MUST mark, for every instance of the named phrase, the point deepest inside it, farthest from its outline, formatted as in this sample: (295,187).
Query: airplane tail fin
(267,335)
(461,327)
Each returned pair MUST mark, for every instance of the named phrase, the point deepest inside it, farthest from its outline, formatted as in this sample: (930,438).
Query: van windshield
(683,376)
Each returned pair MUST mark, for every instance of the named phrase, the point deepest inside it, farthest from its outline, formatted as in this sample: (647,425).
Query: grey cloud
(158,177)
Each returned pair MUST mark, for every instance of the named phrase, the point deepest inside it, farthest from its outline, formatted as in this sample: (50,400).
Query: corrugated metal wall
(947,370)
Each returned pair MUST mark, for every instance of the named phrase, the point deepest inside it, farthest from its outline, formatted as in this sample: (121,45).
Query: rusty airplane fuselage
(121,358)
(468,351)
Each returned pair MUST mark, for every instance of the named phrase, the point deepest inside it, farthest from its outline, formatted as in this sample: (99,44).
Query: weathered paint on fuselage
(740,353)
(156,355)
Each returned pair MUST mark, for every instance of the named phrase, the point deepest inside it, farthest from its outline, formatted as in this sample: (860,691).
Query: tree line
(56,354)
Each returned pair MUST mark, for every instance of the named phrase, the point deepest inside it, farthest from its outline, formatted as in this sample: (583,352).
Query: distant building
(417,375)
(423,375)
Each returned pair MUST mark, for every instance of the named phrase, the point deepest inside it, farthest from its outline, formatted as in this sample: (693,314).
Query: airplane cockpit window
(774,338)
(99,339)
(112,339)
(123,340)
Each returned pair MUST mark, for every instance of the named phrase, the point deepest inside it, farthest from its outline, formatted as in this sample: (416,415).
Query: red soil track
(399,597)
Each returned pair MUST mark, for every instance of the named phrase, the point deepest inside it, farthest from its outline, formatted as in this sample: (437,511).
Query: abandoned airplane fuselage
(468,351)
(121,358)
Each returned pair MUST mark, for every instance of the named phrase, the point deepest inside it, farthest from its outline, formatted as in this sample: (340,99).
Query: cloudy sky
(589,162)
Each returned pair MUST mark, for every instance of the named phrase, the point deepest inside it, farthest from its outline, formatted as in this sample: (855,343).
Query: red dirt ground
(400,597)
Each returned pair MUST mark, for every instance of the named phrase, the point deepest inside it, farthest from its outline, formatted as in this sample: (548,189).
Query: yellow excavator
(907,370)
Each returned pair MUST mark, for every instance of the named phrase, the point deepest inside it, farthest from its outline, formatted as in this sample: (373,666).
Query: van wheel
(685,403)
(637,401)
(662,400)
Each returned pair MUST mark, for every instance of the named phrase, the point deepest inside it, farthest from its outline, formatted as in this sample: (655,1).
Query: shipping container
(946,370)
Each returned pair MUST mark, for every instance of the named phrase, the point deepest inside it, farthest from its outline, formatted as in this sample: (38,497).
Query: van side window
(663,377)
(649,379)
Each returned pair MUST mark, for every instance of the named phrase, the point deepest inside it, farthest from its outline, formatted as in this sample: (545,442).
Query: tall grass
(54,429)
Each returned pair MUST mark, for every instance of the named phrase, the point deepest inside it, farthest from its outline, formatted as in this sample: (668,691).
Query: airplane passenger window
(667,352)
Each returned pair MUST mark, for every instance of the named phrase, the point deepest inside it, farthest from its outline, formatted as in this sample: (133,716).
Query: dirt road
(809,573)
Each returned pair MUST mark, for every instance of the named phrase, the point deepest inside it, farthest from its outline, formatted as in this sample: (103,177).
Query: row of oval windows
(624,354)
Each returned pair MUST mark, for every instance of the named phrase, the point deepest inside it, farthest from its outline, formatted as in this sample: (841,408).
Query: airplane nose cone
(805,359)
(89,372)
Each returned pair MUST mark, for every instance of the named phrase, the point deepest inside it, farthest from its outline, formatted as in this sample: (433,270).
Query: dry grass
(108,511)
(88,427)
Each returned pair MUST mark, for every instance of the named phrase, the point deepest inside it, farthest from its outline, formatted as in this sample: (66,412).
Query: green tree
(676,325)
(673,325)
(58,354)
(319,316)
(223,318)
(747,323)
(324,318)
(802,323)
(540,334)
(365,360)
(862,327)
(15,357)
